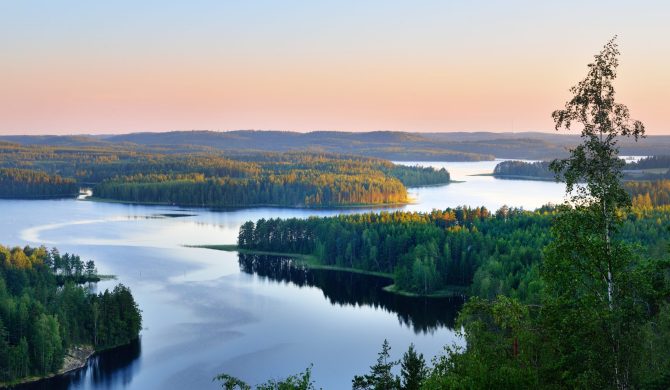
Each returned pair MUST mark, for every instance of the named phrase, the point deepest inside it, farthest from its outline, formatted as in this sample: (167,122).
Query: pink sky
(475,66)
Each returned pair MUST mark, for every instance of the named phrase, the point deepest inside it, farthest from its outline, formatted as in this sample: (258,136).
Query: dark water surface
(207,312)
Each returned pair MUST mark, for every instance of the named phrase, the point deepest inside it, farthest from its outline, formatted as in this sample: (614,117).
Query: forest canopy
(481,252)
(45,310)
(650,168)
(208,178)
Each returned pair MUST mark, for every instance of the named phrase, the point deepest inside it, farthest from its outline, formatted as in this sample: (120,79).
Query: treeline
(296,189)
(424,252)
(537,169)
(416,176)
(43,311)
(483,252)
(25,183)
(651,162)
(648,168)
(209,178)
(647,194)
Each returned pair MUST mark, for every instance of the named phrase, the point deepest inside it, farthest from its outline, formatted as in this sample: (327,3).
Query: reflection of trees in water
(109,369)
(117,366)
(347,288)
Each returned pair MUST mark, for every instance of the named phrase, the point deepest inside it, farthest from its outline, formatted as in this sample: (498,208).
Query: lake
(206,312)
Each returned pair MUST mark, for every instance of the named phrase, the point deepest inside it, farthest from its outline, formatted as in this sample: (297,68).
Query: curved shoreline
(311,262)
(255,205)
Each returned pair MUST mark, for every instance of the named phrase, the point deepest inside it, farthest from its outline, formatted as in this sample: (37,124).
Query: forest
(199,178)
(650,168)
(46,309)
(569,296)
(482,252)
(594,312)
(523,169)
(25,183)
(389,145)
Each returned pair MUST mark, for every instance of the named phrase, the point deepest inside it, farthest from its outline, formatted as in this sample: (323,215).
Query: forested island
(210,179)
(50,322)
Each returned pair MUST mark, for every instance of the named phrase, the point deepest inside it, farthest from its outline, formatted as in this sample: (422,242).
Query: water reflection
(423,315)
(109,369)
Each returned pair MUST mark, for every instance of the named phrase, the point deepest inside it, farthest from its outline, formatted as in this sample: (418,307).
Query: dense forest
(199,178)
(390,145)
(45,310)
(647,194)
(591,309)
(24,183)
(475,250)
(523,169)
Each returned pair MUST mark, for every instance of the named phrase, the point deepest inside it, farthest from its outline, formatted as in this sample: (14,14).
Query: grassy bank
(312,262)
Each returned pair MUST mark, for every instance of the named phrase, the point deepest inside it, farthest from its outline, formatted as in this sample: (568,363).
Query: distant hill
(392,145)
(382,144)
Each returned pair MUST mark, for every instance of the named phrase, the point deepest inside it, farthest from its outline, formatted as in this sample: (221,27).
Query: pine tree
(412,369)
(380,377)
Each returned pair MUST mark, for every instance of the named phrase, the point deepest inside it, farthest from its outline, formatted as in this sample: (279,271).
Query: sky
(101,67)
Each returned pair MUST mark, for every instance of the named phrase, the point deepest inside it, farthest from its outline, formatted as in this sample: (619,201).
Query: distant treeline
(649,168)
(651,162)
(523,169)
(390,145)
(416,176)
(486,253)
(197,178)
(43,311)
(25,183)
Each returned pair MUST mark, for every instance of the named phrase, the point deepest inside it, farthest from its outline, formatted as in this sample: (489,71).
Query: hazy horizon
(123,67)
(102,134)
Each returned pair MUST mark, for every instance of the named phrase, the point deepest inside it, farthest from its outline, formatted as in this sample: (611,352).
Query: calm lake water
(207,312)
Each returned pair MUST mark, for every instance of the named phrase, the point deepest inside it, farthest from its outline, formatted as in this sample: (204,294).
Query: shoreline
(238,207)
(311,262)
(76,358)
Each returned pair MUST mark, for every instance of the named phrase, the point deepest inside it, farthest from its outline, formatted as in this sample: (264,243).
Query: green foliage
(43,311)
(208,178)
(592,279)
(427,252)
(537,169)
(500,353)
(416,176)
(229,382)
(25,183)
(380,377)
(653,168)
(301,381)
(602,321)
(413,370)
